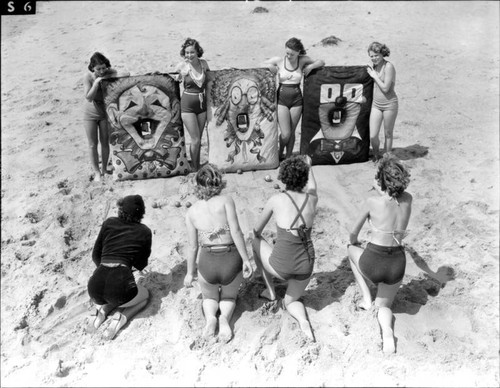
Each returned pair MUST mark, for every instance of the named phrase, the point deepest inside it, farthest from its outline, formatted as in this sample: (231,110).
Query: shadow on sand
(415,294)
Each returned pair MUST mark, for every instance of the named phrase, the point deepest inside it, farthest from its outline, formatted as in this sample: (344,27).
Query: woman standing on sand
(193,74)
(122,243)
(291,69)
(94,112)
(216,239)
(292,257)
(385,101)
(383,261)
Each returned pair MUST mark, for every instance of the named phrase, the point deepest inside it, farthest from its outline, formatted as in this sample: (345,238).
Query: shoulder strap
(299,210)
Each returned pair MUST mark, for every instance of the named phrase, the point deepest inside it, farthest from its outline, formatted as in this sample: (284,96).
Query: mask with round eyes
(237,94)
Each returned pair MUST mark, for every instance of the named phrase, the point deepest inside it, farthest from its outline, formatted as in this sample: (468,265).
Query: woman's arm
(358,224)
(90,86)
(141,260)
(311,181)
(192,251)
(237,235)
(390,76)
(98,245)
(309,65)
(271,64)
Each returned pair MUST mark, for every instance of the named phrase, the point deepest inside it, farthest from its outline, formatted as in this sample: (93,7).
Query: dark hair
(392,176)
(294,173)
(296,45)
(209,182)
(131,208)
(377,47)
(98,59)
(195,44)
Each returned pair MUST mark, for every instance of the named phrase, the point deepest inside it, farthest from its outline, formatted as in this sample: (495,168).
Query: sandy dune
(447,312)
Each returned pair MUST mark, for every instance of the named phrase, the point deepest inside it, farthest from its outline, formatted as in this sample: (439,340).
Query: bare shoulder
(405,197)
(205,64)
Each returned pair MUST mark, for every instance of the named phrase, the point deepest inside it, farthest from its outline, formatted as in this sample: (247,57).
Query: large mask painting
(336,117)
(242,120)
(146,131)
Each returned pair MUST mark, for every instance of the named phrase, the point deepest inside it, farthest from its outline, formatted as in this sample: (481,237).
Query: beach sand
(446,56)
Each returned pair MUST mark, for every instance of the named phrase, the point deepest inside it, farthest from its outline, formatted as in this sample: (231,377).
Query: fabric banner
(336,116)
(242,120)
(146,131)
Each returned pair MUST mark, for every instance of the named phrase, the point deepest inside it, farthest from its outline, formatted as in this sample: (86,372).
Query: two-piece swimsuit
(384,264)
(194,99)
(218,263)
(385,101)
(289,93)
(293,256)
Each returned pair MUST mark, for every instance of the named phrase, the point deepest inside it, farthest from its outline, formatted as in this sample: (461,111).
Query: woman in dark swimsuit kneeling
(292,257)
(215,237)
(383,261)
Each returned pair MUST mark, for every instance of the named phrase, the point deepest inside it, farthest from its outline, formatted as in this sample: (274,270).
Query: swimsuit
(293,256)
(218,263)
(385,101)
(289,93)
(194,98)
(94,110)
(384,264)
(119,246)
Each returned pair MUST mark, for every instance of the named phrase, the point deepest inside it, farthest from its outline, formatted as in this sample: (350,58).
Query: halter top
(287,76)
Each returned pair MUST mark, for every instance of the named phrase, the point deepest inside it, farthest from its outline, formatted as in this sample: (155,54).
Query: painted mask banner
(242,120)
(336,116)
(146,131)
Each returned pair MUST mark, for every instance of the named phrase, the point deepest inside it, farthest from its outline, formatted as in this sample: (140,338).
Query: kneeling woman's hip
(112,285)
(219,264)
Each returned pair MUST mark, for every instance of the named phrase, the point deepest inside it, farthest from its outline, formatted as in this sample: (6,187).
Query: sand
(447,312)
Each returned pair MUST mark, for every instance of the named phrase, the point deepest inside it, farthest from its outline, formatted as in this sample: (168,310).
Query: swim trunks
(382,264)
(112,285)
(219,264)
(290,95)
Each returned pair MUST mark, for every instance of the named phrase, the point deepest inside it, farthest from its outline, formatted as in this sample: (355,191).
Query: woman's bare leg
(376,118)
(190,121)
(296,309)
(384,299)
(354,253)
(295,113)
(389,121)
(91,129)
(261,253)
(210,305)
(227,304)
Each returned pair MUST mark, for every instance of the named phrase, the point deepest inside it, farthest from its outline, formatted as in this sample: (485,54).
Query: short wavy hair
(379,48)
(392,176)
(209,182)
(131,208)
(296,45)
(98,59)
(294,173)
(191,42)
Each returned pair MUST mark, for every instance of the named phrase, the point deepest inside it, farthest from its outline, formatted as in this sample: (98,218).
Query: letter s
(10,4)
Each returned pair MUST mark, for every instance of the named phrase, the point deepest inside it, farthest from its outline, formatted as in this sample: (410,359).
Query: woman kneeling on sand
(122,243)
(215,237)
(292,257)
(383,261)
